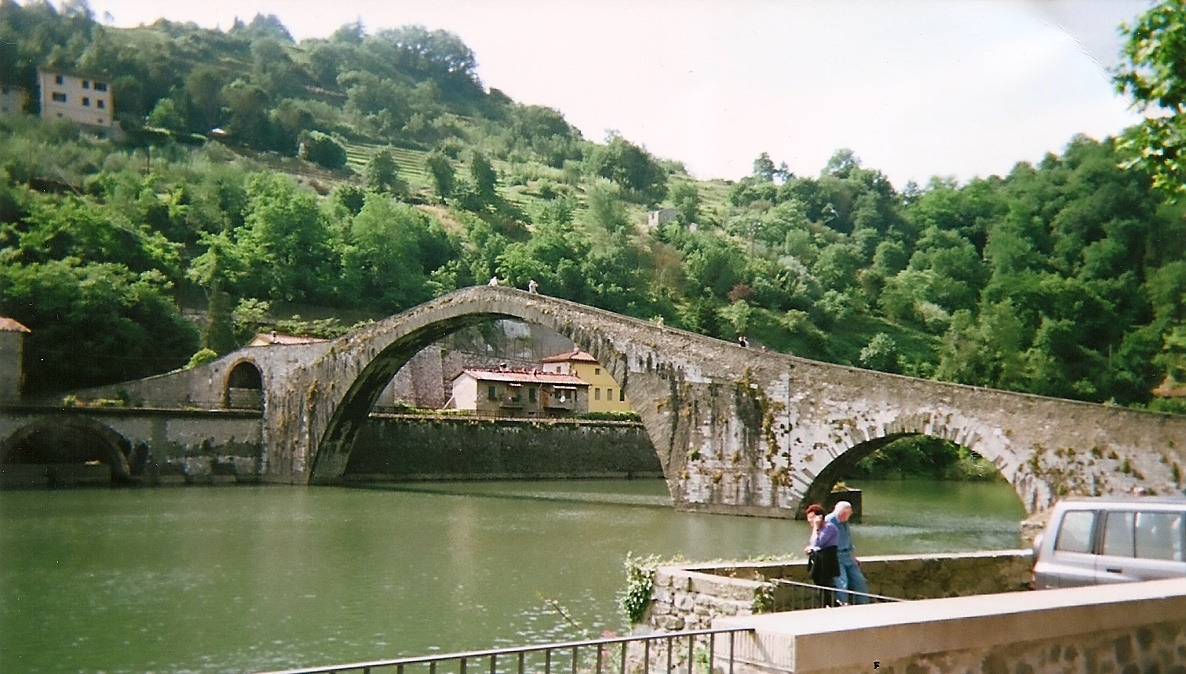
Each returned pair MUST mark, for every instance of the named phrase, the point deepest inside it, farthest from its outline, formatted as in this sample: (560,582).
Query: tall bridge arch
(736,430)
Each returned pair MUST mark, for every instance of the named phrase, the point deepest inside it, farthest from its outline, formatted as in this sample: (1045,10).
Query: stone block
(672,623)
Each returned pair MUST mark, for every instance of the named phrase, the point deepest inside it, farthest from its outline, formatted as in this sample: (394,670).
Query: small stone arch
(934,426)
(244,387)
(72,440)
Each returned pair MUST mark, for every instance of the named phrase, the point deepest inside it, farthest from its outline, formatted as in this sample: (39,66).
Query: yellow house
(605,395)
(77,98)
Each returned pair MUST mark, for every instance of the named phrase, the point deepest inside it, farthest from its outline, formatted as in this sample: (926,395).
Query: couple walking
(830,560)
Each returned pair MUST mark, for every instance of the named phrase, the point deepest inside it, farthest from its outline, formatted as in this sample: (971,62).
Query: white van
(1093,541)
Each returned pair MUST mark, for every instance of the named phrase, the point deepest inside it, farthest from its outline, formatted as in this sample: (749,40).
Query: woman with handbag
(822,563)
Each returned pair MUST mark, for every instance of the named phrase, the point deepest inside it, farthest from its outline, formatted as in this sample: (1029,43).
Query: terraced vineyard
(410,162)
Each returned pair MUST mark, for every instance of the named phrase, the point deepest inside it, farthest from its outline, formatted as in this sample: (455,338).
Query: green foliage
(382,174)
(640,586)
(444,176)
(611,416)
(1154,77)
(923,457)
(201,357)
(93,323)
(631,167)
(322,150)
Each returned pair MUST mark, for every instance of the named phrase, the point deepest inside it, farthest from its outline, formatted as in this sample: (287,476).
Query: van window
(1075,533)
(1159,536)
(1118,535)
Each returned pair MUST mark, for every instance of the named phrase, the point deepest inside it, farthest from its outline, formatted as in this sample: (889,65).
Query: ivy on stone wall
(640,585)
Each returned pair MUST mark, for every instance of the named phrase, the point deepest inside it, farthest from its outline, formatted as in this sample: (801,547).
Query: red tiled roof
(525,377)
(570,356)
(1167,389)
(9,325)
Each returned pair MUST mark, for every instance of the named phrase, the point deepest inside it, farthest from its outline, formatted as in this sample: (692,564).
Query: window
(596,370)
(597,394)
(100,104)
(1118,535)
(492,392)
(58,97)
(86,84)
(1159,536)
(621,395)
(57,79)
(1075,533)
(100,86)
(609,394)
(531,394)
(86,102)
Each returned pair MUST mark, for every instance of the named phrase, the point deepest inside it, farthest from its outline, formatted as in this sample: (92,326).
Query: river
(249,578)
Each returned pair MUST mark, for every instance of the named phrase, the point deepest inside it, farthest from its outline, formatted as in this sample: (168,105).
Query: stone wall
(1120,628)
(411,447)
(691,596)
(202,447)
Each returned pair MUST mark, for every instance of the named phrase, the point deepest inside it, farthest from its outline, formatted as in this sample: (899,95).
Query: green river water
(243,579)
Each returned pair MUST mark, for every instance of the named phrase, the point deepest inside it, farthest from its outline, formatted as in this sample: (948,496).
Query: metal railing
(690,652)
(792,595)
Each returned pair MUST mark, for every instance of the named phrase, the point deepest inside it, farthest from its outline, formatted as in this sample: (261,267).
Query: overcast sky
(916,88)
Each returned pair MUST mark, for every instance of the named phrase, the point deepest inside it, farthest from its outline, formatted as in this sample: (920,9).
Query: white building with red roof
(519,393)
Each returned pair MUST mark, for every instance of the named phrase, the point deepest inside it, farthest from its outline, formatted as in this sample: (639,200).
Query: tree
(606,209)
(93,324)
(216,270)
(391,249)
(764,168)
(881,353)
(203,90)
(444,176)
(382,173)
(631,167)
(485,178)
(288,238)
(686,198)
(323,150)
(1154,76)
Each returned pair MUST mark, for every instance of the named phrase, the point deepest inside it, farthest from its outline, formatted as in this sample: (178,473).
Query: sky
(915,88)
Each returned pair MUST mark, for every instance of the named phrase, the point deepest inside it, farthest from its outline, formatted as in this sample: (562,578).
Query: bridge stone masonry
(736,430)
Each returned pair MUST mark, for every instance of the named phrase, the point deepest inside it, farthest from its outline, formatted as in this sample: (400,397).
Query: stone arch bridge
(736,430)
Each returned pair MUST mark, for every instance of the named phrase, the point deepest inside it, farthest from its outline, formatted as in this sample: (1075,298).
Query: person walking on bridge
(850,577)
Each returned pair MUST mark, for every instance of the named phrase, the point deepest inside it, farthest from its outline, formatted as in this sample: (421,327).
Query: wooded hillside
(371,172)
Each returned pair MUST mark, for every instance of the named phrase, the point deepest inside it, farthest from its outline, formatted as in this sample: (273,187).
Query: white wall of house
(79,99)
(465,392)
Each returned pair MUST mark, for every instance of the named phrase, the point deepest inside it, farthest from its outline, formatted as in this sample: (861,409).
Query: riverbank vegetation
(372,172)
(926,458)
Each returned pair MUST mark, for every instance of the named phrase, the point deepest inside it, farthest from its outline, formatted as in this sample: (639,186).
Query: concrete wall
(1130,627)
(396,447)
(692,596)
